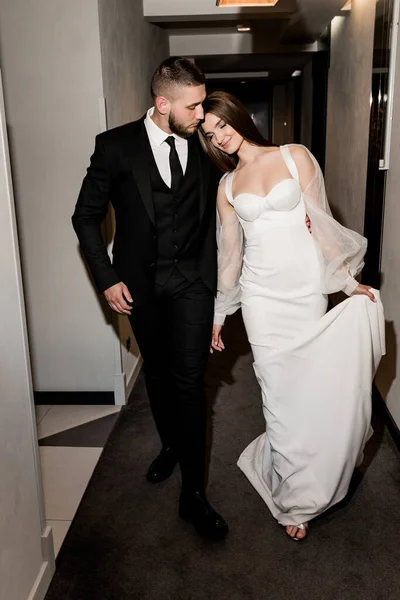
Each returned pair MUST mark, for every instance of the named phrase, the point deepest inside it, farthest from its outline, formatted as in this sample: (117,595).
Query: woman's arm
(341,251)
(225,208)
(230,255)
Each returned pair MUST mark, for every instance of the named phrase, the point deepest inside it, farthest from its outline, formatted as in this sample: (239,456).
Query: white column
(27,555)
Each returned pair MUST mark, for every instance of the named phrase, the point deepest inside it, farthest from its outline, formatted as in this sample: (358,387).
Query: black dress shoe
(162,466)
(195,508)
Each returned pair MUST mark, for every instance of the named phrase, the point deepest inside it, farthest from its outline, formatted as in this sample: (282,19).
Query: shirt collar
(157,135)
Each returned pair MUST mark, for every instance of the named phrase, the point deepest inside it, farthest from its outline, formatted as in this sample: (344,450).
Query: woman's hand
(216,340)
(363,290)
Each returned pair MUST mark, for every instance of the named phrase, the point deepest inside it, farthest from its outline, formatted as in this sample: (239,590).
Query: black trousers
(173,332)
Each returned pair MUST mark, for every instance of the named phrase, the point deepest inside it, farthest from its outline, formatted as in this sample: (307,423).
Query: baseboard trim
(120,389)
(73,398)
(48,547)
(42,583)
(389,421)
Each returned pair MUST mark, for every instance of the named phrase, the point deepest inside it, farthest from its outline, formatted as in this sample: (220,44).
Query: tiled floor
(60,418)
(71,440)
(66,473)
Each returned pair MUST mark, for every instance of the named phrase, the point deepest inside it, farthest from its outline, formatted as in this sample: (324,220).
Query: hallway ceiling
(291,21)
(281,40)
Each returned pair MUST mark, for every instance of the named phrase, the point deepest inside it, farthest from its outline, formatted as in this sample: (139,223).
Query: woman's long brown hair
(231,111)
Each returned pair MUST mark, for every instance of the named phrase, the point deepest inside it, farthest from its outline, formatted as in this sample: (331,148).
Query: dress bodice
(285,196)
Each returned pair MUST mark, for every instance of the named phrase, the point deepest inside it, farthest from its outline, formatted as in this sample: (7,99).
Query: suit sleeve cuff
(107,280)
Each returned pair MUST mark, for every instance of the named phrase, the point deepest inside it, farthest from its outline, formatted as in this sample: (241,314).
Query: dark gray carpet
(127,543)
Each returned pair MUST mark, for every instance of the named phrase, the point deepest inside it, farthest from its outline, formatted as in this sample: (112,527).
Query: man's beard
(177,127)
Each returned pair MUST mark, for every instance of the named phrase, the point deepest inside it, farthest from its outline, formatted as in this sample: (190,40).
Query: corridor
(78,519)
(127,542)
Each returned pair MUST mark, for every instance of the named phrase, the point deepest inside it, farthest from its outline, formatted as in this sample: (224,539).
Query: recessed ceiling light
(296,73)
(242,28)
(223,3)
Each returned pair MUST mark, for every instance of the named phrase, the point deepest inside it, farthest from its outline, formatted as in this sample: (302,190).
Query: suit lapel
(140,167)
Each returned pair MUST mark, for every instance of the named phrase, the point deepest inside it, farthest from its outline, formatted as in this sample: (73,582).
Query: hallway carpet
(127,542)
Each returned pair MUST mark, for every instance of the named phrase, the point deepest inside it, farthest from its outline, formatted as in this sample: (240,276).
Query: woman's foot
(297,532)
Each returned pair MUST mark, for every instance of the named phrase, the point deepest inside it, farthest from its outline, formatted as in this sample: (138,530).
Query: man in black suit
(164,271)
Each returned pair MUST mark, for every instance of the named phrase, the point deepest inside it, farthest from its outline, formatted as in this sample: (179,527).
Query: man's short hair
(173,72)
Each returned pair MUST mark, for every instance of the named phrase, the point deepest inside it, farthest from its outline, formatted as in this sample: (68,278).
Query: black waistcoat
(177,221)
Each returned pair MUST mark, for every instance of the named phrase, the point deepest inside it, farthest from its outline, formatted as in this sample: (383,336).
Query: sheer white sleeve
(230,258)
(341,251)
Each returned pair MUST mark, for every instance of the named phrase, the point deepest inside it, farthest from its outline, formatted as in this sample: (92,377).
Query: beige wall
(50,56)
(73,54)
(349,88)
(131,50)
(388,375)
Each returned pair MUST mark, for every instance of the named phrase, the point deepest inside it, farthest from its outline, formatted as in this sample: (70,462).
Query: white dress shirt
(161,149)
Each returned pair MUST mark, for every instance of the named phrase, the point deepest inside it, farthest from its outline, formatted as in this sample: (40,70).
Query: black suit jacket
(119,173)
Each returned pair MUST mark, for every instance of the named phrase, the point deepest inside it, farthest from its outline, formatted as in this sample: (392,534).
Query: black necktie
(175,165)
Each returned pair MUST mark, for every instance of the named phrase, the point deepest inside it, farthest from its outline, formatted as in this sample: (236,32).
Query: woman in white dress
(315,368)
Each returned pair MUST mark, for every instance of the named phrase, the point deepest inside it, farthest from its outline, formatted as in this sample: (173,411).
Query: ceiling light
(223,3)
(243,28)
(238,75)
(296,73)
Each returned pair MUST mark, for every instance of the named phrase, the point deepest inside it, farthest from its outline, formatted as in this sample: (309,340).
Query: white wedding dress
(315,369)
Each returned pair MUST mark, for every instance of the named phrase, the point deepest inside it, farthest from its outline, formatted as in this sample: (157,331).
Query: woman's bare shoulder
(223,178)
(304,162)
(301,156)
(222,183)
(299,152)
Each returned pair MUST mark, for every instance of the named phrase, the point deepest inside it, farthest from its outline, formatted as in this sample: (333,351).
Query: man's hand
(118,297)
(308,223)
(216,340)
(363,290)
